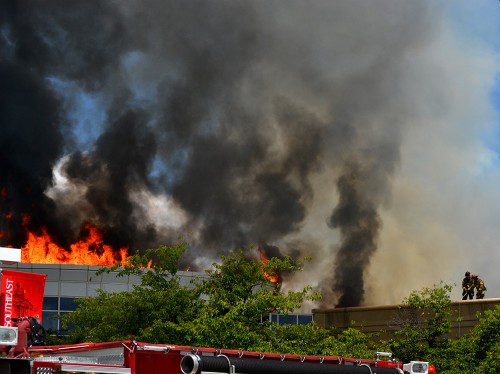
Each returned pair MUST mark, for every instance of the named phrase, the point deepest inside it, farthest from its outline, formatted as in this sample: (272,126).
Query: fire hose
(194,364)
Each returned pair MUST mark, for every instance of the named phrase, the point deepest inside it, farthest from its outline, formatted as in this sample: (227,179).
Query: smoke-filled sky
(365,134)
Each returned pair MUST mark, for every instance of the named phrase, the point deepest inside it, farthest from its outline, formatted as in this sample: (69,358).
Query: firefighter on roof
(479,285)
(467,287)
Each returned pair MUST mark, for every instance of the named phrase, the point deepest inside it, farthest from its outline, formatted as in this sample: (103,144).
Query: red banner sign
(22,296)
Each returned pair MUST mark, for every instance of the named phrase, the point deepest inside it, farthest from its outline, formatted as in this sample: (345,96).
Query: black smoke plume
(152,119)
(356,217)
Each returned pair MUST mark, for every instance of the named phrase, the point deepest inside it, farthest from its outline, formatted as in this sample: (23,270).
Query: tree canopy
(229,308)
(158,298)
(423,320)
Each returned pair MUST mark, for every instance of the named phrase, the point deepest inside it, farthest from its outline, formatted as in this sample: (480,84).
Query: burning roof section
(125,124)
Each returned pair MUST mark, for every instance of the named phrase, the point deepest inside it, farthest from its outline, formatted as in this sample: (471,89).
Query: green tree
(239,295)
(423,321)
(453,357)
(350,342)
(310,340)
(490,364)
(289,339)
(477,352)
(227,309)
(159,297)
(484,343)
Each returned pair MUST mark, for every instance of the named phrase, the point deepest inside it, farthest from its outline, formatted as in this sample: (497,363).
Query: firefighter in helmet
(467,287)
(479,285)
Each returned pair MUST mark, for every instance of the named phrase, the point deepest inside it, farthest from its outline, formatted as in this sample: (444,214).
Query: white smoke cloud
(443,213)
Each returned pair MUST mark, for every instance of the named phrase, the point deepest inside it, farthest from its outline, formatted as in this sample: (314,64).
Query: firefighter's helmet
(467,273)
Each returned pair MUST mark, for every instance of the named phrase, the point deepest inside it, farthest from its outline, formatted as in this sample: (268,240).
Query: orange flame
(273,278)
(40,249)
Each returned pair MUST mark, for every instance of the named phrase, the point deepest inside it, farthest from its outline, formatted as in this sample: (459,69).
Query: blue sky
(477,23)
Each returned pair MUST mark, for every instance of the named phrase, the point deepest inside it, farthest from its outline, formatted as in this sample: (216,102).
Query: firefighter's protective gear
(467,287)
(479,285)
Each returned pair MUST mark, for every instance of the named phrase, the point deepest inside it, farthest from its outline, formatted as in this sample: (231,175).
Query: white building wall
(64,283)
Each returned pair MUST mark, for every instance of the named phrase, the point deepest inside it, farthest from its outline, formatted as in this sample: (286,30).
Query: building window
(54,306)
(68,304)
(49,322)
(304,319)
(291,319)
(50,303)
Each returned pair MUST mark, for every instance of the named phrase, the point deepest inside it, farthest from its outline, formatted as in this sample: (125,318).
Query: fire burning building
(71,275)
(70,272)
(261,132)
(296,123)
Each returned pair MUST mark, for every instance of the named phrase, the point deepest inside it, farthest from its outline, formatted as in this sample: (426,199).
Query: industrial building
(65,283)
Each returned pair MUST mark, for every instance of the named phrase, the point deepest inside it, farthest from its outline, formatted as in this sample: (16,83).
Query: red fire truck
(23,351)
(131,357)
